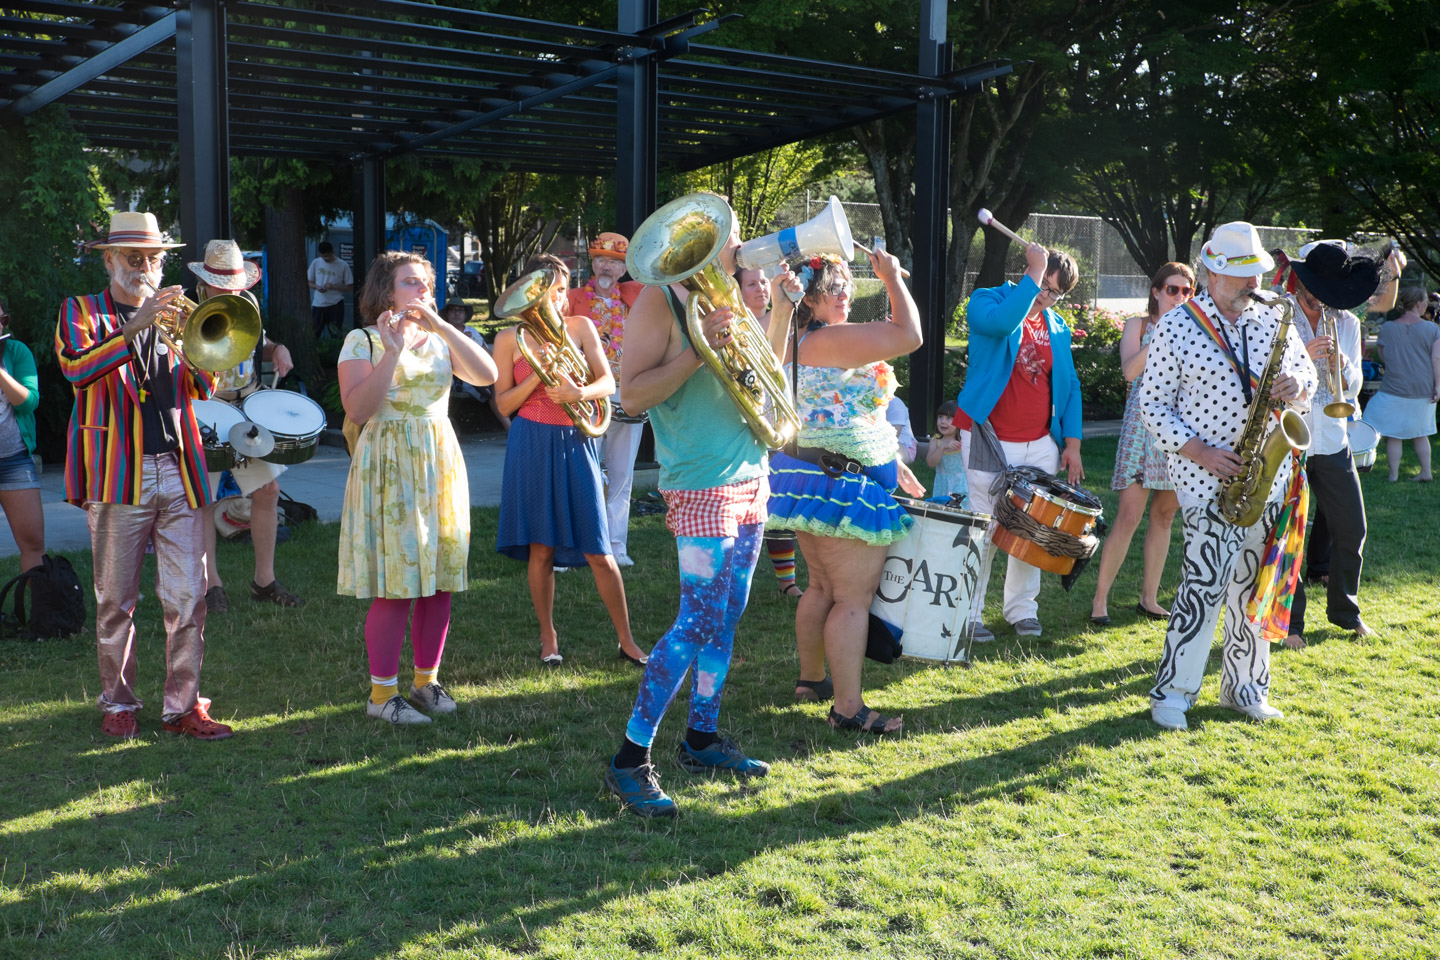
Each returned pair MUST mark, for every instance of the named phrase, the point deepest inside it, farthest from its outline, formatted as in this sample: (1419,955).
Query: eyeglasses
(1176,291)
(837,288)
(1055,295)
(138,260)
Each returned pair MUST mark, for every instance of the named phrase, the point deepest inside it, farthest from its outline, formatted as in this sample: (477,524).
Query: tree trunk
(289,307)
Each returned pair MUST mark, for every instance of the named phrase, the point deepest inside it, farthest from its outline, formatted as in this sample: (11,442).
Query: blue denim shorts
(18,473)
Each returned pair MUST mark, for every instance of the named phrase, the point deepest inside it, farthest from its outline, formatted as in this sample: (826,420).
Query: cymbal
(251,440)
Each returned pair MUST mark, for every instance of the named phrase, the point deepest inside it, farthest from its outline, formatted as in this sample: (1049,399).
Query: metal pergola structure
(358,81)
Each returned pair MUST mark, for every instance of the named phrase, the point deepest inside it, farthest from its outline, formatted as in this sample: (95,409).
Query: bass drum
(294,420)
(216,417)
(929,579)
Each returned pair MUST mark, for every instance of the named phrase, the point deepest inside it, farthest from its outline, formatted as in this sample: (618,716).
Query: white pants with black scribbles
(1221,561)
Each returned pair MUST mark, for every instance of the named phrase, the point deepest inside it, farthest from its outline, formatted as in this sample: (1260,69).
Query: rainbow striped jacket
(106,444)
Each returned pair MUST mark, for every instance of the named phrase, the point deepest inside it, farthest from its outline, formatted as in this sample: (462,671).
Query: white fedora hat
(1235,250)
(225,268)
(129,228)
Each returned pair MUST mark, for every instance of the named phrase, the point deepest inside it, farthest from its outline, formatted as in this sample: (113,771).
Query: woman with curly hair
(405,525)
(832,487)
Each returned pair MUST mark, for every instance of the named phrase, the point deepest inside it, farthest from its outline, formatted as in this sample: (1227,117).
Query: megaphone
(826,232)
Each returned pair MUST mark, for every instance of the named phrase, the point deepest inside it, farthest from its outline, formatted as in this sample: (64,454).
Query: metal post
(636,122)
(928,232)
(369,215)
(204,124)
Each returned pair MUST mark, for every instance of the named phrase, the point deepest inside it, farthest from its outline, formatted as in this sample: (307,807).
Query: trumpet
(1338,407)
(528,299)
(681,243)
(214,335)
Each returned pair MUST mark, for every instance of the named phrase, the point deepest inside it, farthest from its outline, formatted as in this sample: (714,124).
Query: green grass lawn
(1031,809)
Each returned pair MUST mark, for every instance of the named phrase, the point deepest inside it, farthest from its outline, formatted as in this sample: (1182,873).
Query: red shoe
(119,724)
(197,724)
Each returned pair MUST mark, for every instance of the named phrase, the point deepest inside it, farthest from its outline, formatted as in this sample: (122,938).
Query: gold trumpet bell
(219,333)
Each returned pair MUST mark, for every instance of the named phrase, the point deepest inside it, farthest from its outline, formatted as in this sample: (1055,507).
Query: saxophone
(1242,498)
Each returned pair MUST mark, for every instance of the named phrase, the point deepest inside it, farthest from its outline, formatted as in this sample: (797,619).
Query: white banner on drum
(929,581)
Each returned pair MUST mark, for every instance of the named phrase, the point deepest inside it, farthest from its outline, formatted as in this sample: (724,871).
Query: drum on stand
(216,418)
(929,581)
(1364,444)
(294,420)
(1046,522)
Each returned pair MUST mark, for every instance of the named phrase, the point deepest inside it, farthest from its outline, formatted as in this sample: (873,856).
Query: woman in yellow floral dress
(405,527)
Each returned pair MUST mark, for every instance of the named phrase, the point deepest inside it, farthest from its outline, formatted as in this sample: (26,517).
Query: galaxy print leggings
(714,587)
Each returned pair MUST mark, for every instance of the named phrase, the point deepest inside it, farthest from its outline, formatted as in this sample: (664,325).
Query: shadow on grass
(292,836)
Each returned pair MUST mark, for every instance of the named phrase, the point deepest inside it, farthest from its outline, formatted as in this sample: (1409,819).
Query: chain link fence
(1109,276)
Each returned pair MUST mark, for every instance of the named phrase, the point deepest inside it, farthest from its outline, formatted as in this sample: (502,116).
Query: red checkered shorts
(716,511)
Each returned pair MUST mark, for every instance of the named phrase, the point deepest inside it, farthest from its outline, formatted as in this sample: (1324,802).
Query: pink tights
(385,632)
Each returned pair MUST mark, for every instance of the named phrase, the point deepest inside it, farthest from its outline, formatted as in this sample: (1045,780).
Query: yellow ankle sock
(423,677)
(383,688)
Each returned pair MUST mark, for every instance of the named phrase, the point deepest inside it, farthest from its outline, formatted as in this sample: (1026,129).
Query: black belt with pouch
(834,465)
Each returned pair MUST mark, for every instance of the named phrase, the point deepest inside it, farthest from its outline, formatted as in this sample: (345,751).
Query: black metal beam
(928,231)
(92,67)
(637,122)
(367,219)
(204,124)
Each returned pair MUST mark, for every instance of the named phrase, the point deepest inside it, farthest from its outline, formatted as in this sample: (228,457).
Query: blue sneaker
(639,789)
(723,754)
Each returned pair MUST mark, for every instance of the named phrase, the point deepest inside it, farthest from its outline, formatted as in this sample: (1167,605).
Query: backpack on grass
(57,602)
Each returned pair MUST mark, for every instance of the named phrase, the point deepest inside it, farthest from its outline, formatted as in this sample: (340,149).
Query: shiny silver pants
(118,535)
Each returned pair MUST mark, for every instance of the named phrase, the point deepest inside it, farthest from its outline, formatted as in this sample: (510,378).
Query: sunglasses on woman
(1178,291)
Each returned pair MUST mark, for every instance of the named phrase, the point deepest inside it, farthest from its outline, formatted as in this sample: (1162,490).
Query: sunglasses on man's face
(137,261)
(1178,291)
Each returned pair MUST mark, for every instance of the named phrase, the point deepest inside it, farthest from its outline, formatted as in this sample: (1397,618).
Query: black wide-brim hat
(1337,279)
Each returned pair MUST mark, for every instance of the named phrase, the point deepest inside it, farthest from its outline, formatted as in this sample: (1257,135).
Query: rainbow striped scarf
(1268,608)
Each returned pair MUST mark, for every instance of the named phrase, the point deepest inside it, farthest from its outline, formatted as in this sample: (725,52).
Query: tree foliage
(54,201)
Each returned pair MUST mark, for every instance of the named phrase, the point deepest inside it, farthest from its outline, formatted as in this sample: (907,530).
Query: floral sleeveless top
(843,411)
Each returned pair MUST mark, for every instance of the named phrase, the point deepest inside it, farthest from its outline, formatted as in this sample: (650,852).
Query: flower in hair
(816,262)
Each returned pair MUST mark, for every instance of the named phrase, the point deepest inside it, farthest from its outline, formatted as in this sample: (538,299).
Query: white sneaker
(980,632)
(623,560)
(397,710)
(432,698)
(1171,718)
(1260,712)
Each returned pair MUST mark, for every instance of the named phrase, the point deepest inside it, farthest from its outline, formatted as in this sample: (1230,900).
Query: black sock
(631,755)
(700,739)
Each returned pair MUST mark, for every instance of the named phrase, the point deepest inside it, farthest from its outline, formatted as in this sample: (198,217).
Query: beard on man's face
(140,282)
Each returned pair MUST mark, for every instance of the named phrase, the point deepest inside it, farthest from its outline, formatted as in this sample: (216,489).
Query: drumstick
(870,253)
(988,219)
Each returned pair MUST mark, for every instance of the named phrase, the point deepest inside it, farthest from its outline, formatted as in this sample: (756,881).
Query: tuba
(681,243)
(528,300)
(1242,498)
(215,335)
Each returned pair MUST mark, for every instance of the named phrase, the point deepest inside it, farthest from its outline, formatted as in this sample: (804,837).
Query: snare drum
(295,420)
(929,581)
(1052,504)
(218,416)
(1364,443)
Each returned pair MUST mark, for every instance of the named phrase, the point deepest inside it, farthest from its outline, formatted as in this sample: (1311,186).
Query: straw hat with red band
(613,245)
(225,268)
(129,228)
(1235,250)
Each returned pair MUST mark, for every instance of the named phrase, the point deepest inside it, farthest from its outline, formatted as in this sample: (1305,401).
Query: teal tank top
(701,440)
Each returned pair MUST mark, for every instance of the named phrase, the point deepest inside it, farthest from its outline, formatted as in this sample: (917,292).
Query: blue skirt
(552,494)
(857,506)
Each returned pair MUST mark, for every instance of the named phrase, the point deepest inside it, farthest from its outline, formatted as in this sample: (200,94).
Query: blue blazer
(995,315)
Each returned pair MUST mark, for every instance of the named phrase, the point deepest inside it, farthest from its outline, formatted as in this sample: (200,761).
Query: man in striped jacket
(135,462)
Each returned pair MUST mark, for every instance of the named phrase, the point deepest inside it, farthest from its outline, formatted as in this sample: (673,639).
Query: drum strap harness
(1055,542)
